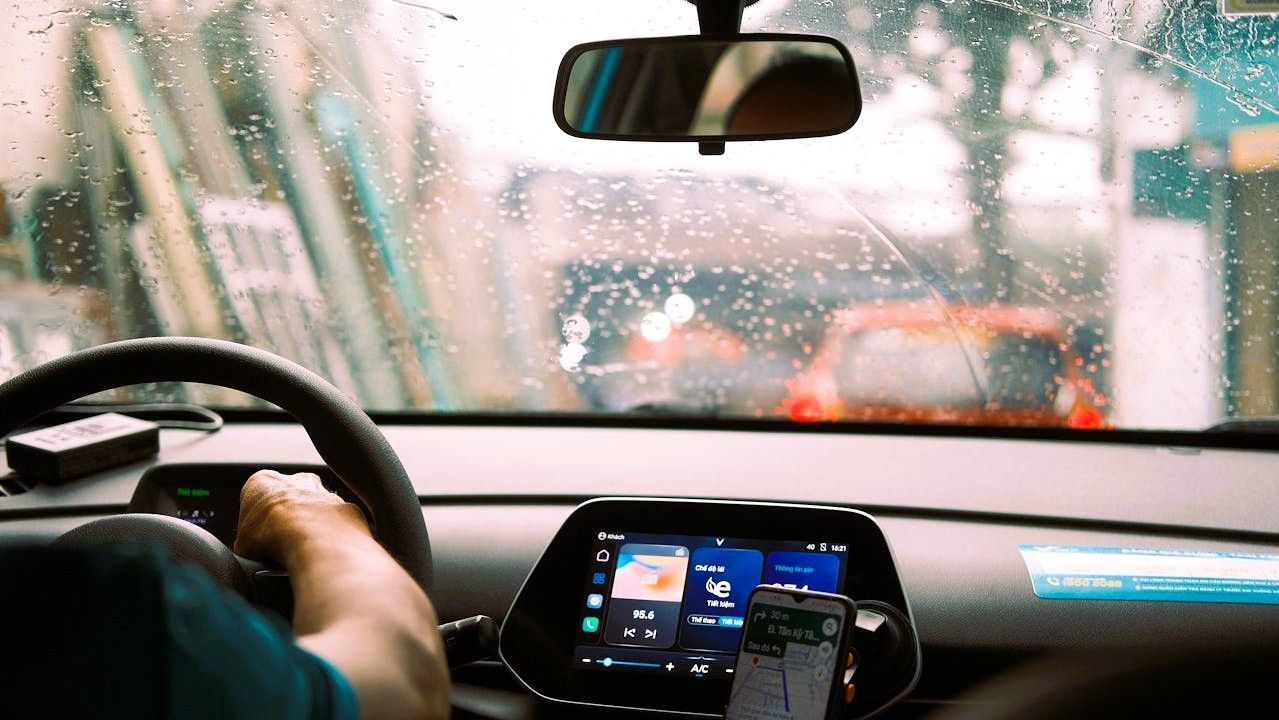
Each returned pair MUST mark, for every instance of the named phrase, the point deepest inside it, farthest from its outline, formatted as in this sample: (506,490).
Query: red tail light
(1084,417)
(804,408)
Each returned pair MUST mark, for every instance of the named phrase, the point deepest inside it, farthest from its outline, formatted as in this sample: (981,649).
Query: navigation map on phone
(787,658)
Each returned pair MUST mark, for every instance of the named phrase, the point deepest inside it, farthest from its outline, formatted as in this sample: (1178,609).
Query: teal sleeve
(229,661)
(345,704)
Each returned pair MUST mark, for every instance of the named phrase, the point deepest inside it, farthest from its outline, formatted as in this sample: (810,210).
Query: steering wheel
(350,444)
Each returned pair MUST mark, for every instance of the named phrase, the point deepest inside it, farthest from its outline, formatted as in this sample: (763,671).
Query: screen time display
(787,660)
(676,604)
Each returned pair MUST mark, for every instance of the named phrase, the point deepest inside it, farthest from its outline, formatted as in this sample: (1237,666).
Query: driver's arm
(354,605)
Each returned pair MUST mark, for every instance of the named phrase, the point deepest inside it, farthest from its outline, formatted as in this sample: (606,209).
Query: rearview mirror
(766,86)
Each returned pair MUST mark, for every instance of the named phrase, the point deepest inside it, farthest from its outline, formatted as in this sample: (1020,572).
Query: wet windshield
(876,366)
(1050,213)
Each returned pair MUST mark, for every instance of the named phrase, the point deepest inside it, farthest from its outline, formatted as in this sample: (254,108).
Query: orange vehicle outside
(866,369)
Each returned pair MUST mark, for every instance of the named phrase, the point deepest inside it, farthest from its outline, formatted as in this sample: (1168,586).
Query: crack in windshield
(1249,103)
(971,353)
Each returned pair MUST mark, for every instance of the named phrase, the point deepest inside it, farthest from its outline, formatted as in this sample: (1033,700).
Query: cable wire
(155,412)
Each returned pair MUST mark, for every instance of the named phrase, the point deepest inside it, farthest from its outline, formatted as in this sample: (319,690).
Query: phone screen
(789,654)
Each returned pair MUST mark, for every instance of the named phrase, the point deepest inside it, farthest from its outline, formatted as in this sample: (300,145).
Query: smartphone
(793,657)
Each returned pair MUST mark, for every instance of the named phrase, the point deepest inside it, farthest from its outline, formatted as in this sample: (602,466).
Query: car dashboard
(938,521)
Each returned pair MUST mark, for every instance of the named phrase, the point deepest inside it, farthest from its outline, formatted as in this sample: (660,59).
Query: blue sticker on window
(1113,573)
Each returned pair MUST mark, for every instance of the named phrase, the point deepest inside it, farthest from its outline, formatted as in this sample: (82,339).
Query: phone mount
(887,651)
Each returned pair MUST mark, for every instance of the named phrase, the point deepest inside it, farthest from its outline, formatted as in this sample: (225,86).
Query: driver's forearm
(359,610)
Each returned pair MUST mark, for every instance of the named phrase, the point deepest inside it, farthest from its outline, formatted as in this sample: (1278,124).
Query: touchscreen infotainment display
(641,602)
(675,604)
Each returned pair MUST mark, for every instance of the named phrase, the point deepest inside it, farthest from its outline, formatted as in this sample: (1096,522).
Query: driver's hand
(278,512)
(354,605)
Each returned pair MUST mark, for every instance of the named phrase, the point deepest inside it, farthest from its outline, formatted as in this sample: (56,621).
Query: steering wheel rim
(343,434)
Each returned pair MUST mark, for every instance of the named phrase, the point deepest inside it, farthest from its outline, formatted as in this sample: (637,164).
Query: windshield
(378,191)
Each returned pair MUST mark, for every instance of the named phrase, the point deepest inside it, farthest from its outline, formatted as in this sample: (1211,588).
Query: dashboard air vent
(11,484)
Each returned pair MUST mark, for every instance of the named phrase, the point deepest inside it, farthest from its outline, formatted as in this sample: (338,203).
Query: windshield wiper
(673,408)
(1260,424)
